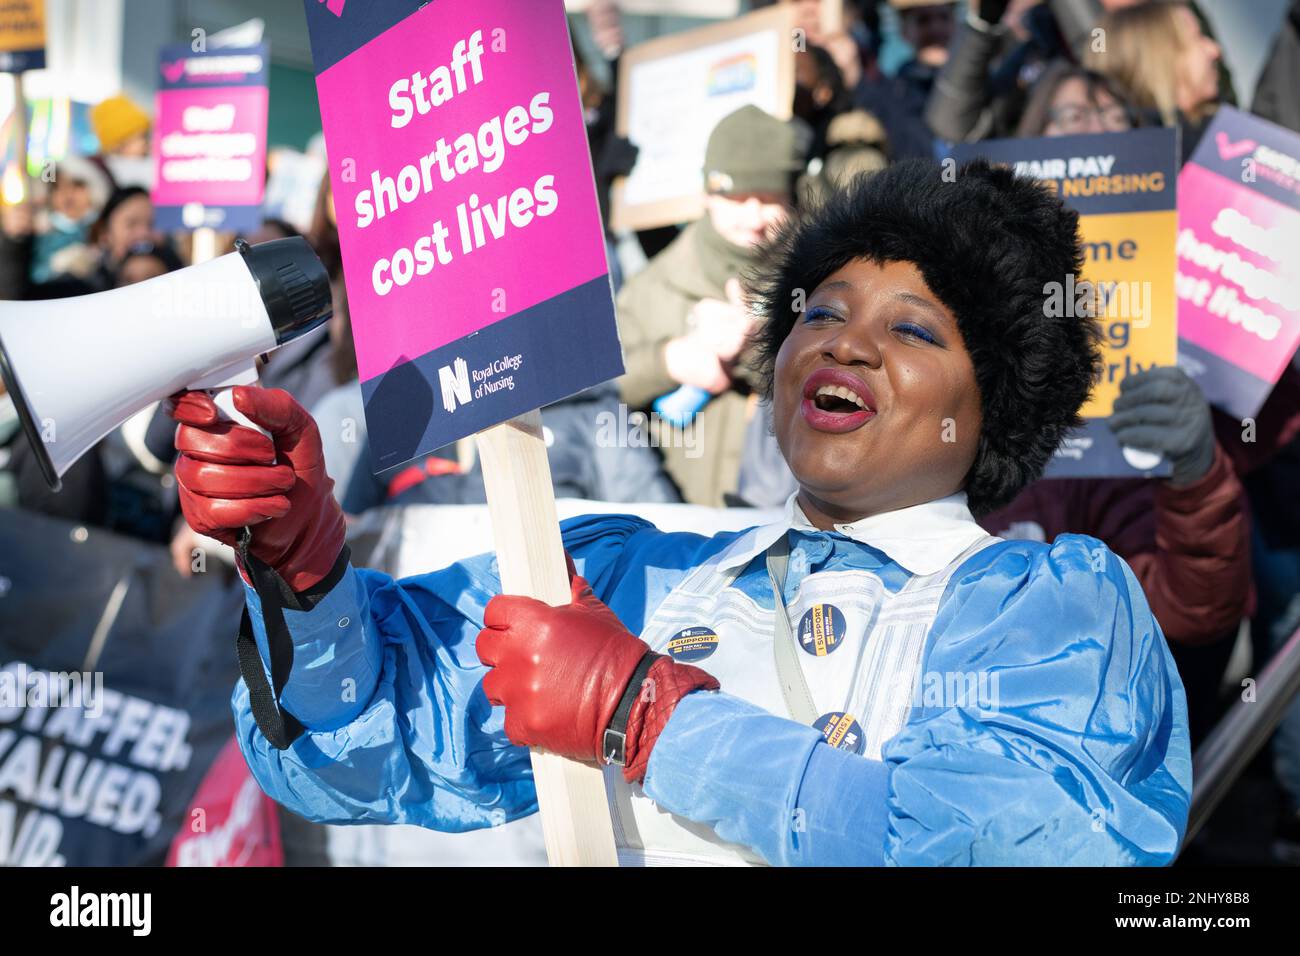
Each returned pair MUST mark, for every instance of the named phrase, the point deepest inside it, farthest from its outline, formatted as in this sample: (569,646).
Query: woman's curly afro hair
(991,246)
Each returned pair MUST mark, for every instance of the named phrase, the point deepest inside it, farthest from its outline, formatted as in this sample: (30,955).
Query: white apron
(868,672)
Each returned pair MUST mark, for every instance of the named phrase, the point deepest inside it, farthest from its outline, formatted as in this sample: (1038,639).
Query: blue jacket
(1085,761)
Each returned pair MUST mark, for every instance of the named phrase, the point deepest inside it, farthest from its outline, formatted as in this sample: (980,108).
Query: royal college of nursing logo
(454,381)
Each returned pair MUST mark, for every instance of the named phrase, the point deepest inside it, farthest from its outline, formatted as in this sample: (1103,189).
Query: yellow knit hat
(116,120)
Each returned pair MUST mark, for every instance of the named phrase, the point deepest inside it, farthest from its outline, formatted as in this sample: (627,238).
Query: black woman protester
(870,680)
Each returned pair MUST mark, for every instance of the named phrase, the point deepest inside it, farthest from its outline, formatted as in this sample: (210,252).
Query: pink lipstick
(836,401)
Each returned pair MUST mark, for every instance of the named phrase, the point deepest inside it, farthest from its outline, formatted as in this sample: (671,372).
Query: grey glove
(1162,410)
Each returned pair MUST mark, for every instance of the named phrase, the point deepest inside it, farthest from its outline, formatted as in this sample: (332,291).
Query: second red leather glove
(560,673)
(230,477)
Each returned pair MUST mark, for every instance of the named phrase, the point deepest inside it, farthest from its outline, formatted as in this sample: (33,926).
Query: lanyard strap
(277,725)
(790,675)
(794,686)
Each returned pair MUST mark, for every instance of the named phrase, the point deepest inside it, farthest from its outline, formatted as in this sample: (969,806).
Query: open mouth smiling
(836,401)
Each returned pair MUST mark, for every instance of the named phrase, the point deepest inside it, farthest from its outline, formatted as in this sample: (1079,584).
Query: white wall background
(1245,29)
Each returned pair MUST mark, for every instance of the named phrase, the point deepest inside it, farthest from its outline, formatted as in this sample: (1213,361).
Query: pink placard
(231,171)
(1228,292)
(530,177)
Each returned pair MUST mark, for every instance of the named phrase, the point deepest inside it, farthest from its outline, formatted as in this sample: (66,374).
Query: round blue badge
(841,731)
(692,644)
(822,629)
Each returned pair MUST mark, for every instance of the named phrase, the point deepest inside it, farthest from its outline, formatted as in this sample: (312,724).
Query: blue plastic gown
(1085,761)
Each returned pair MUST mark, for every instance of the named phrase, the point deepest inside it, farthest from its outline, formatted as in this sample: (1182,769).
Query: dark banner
(115,682)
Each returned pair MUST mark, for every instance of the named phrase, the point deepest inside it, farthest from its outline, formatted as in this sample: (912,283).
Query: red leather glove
(561,671)
(227,480)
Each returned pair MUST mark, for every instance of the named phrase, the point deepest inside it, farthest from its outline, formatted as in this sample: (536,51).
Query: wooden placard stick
(21,189)
(530,558)
(832,17)
(203,245)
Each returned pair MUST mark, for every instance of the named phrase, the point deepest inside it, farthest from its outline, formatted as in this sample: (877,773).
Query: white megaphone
(78,368)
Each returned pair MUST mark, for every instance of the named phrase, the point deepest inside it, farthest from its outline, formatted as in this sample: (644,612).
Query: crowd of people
(1213,545)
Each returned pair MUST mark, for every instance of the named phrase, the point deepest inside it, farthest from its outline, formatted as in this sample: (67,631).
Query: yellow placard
(22,25)
(1123,254)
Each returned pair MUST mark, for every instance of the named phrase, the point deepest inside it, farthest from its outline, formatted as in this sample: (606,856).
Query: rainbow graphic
(735,74)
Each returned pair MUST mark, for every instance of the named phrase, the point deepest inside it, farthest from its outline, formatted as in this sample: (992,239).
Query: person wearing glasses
(1068,100)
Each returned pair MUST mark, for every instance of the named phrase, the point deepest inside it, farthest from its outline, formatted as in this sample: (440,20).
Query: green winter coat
(652,309)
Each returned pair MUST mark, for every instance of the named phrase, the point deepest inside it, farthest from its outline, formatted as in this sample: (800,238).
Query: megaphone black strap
(279,726)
